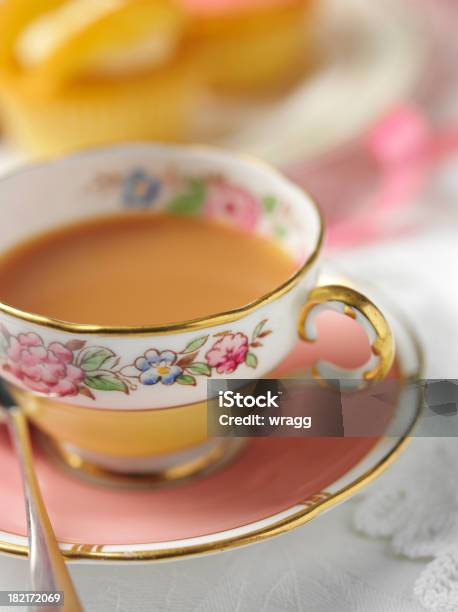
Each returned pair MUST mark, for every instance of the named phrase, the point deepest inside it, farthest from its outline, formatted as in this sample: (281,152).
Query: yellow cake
(250,45)
(76,73)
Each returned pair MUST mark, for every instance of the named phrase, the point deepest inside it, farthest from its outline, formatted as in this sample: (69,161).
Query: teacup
(110,420)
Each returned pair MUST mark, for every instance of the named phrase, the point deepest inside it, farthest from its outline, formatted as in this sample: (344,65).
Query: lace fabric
(416,507)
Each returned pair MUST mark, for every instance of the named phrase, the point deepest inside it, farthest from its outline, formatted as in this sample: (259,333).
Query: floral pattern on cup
(210,196)
(140,189)
(73,368)
(155,366)
(233,204)
(46,369)
(228,353)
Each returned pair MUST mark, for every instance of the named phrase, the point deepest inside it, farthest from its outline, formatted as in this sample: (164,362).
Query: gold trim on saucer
(86,548)
(215,458)
(221,318)
(316,499)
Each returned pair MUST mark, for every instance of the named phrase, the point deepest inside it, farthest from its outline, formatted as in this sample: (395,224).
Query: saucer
(272,486)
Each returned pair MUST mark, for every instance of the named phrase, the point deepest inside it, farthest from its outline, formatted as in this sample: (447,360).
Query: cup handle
(355,305)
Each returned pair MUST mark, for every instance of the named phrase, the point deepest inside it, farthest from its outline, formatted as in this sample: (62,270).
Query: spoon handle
(48,569)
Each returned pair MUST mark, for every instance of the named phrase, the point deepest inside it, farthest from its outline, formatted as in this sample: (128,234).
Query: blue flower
(155,367)
(140,189)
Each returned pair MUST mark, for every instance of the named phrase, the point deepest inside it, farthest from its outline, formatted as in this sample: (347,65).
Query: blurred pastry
(251,45)
(75,73)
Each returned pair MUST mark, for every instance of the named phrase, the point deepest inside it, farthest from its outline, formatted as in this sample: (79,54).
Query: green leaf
(280,231)
(258,329)
(92,359)
(105,382)
(199,368)
(270,203)
(251,360)
(184,379)
(190,201)
(195,345)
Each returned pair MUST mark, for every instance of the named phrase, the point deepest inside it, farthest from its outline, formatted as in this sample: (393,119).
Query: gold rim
(311,509)
(221,318)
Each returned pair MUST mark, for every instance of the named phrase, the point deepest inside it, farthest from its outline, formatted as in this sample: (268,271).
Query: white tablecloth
(323,566)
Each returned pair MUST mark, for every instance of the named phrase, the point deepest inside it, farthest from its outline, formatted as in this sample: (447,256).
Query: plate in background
(371,57)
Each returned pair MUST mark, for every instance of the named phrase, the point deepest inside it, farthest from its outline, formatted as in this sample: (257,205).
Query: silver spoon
(47,566)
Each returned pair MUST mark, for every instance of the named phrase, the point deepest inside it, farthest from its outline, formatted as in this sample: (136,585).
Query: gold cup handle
(355,305)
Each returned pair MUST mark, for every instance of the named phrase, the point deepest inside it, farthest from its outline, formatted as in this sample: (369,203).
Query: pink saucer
(273,485)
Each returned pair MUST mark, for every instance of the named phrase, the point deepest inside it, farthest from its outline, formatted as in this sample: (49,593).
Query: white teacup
(139,392)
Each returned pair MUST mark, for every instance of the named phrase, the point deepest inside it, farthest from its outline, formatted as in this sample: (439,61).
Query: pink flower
(226,202)
(46,370)
(228,353)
